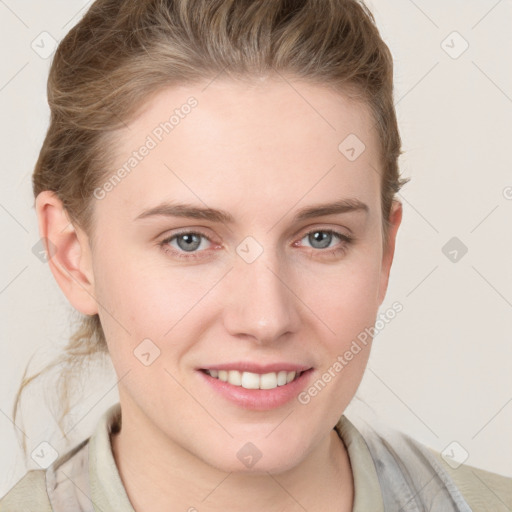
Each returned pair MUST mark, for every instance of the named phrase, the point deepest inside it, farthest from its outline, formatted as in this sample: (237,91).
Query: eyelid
(193,231)
(329,228)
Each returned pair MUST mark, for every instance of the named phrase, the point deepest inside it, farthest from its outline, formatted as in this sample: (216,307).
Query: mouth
(250,380)
(257,387)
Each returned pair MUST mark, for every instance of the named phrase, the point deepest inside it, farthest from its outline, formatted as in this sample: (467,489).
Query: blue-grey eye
(189,241)
(320,239)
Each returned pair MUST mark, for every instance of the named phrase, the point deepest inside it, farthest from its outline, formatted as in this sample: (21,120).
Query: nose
(262,305)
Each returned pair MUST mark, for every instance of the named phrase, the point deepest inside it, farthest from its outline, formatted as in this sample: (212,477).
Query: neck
(160,476)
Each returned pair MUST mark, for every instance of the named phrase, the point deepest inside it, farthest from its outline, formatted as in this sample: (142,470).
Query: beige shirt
(100,489)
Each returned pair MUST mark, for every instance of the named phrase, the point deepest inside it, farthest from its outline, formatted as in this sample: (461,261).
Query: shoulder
(410,472)
(28,494)
(31,492)
(483,490)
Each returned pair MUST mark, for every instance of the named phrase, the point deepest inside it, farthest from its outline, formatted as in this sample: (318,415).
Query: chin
(258,457)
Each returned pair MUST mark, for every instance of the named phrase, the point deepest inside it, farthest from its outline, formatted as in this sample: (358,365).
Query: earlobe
(395,218)
(68,253)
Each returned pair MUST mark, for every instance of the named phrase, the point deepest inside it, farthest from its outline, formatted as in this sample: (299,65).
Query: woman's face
(262,288)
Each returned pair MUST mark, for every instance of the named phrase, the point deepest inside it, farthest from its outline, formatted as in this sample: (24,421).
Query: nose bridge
(261,304)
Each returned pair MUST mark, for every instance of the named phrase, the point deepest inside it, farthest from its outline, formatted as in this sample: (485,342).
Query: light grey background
(441,370)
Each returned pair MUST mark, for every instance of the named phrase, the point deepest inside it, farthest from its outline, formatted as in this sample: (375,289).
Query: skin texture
(260,151)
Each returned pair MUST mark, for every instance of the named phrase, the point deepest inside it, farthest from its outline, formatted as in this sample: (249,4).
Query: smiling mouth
(250,380)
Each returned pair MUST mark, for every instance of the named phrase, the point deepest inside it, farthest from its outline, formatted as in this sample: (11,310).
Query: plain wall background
(441,370)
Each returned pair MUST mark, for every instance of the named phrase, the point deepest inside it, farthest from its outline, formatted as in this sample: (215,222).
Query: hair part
(124,51)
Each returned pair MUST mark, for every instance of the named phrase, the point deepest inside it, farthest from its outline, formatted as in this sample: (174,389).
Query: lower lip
(258,399)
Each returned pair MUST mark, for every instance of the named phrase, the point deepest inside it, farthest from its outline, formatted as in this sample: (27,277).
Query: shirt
(392,472)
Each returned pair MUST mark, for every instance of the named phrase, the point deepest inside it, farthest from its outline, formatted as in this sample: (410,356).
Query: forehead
(226,143)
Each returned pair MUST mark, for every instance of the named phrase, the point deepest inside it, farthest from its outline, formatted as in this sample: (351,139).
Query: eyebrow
(214,215)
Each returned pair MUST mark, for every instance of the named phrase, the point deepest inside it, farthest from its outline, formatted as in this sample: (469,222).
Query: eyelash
(345,239)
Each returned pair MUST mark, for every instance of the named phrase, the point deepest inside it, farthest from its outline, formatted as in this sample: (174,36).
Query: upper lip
(247,366)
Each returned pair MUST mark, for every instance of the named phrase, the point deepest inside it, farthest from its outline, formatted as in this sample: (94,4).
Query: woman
(216,192)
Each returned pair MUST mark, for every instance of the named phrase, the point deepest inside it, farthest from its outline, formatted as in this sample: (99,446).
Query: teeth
(249,380)
(235,377)
(268,381)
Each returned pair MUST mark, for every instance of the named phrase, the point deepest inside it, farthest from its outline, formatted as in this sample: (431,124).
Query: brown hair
(123,51)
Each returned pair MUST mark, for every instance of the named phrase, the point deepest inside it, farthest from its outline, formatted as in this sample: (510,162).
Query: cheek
(354,305)
(348,305)
(345,298)
(145,299)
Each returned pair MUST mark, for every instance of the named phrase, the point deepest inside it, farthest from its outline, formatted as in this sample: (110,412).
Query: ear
(68,253)
(395,218)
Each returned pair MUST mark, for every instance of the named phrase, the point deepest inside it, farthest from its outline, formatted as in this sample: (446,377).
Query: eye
(187,244)
(321,239)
